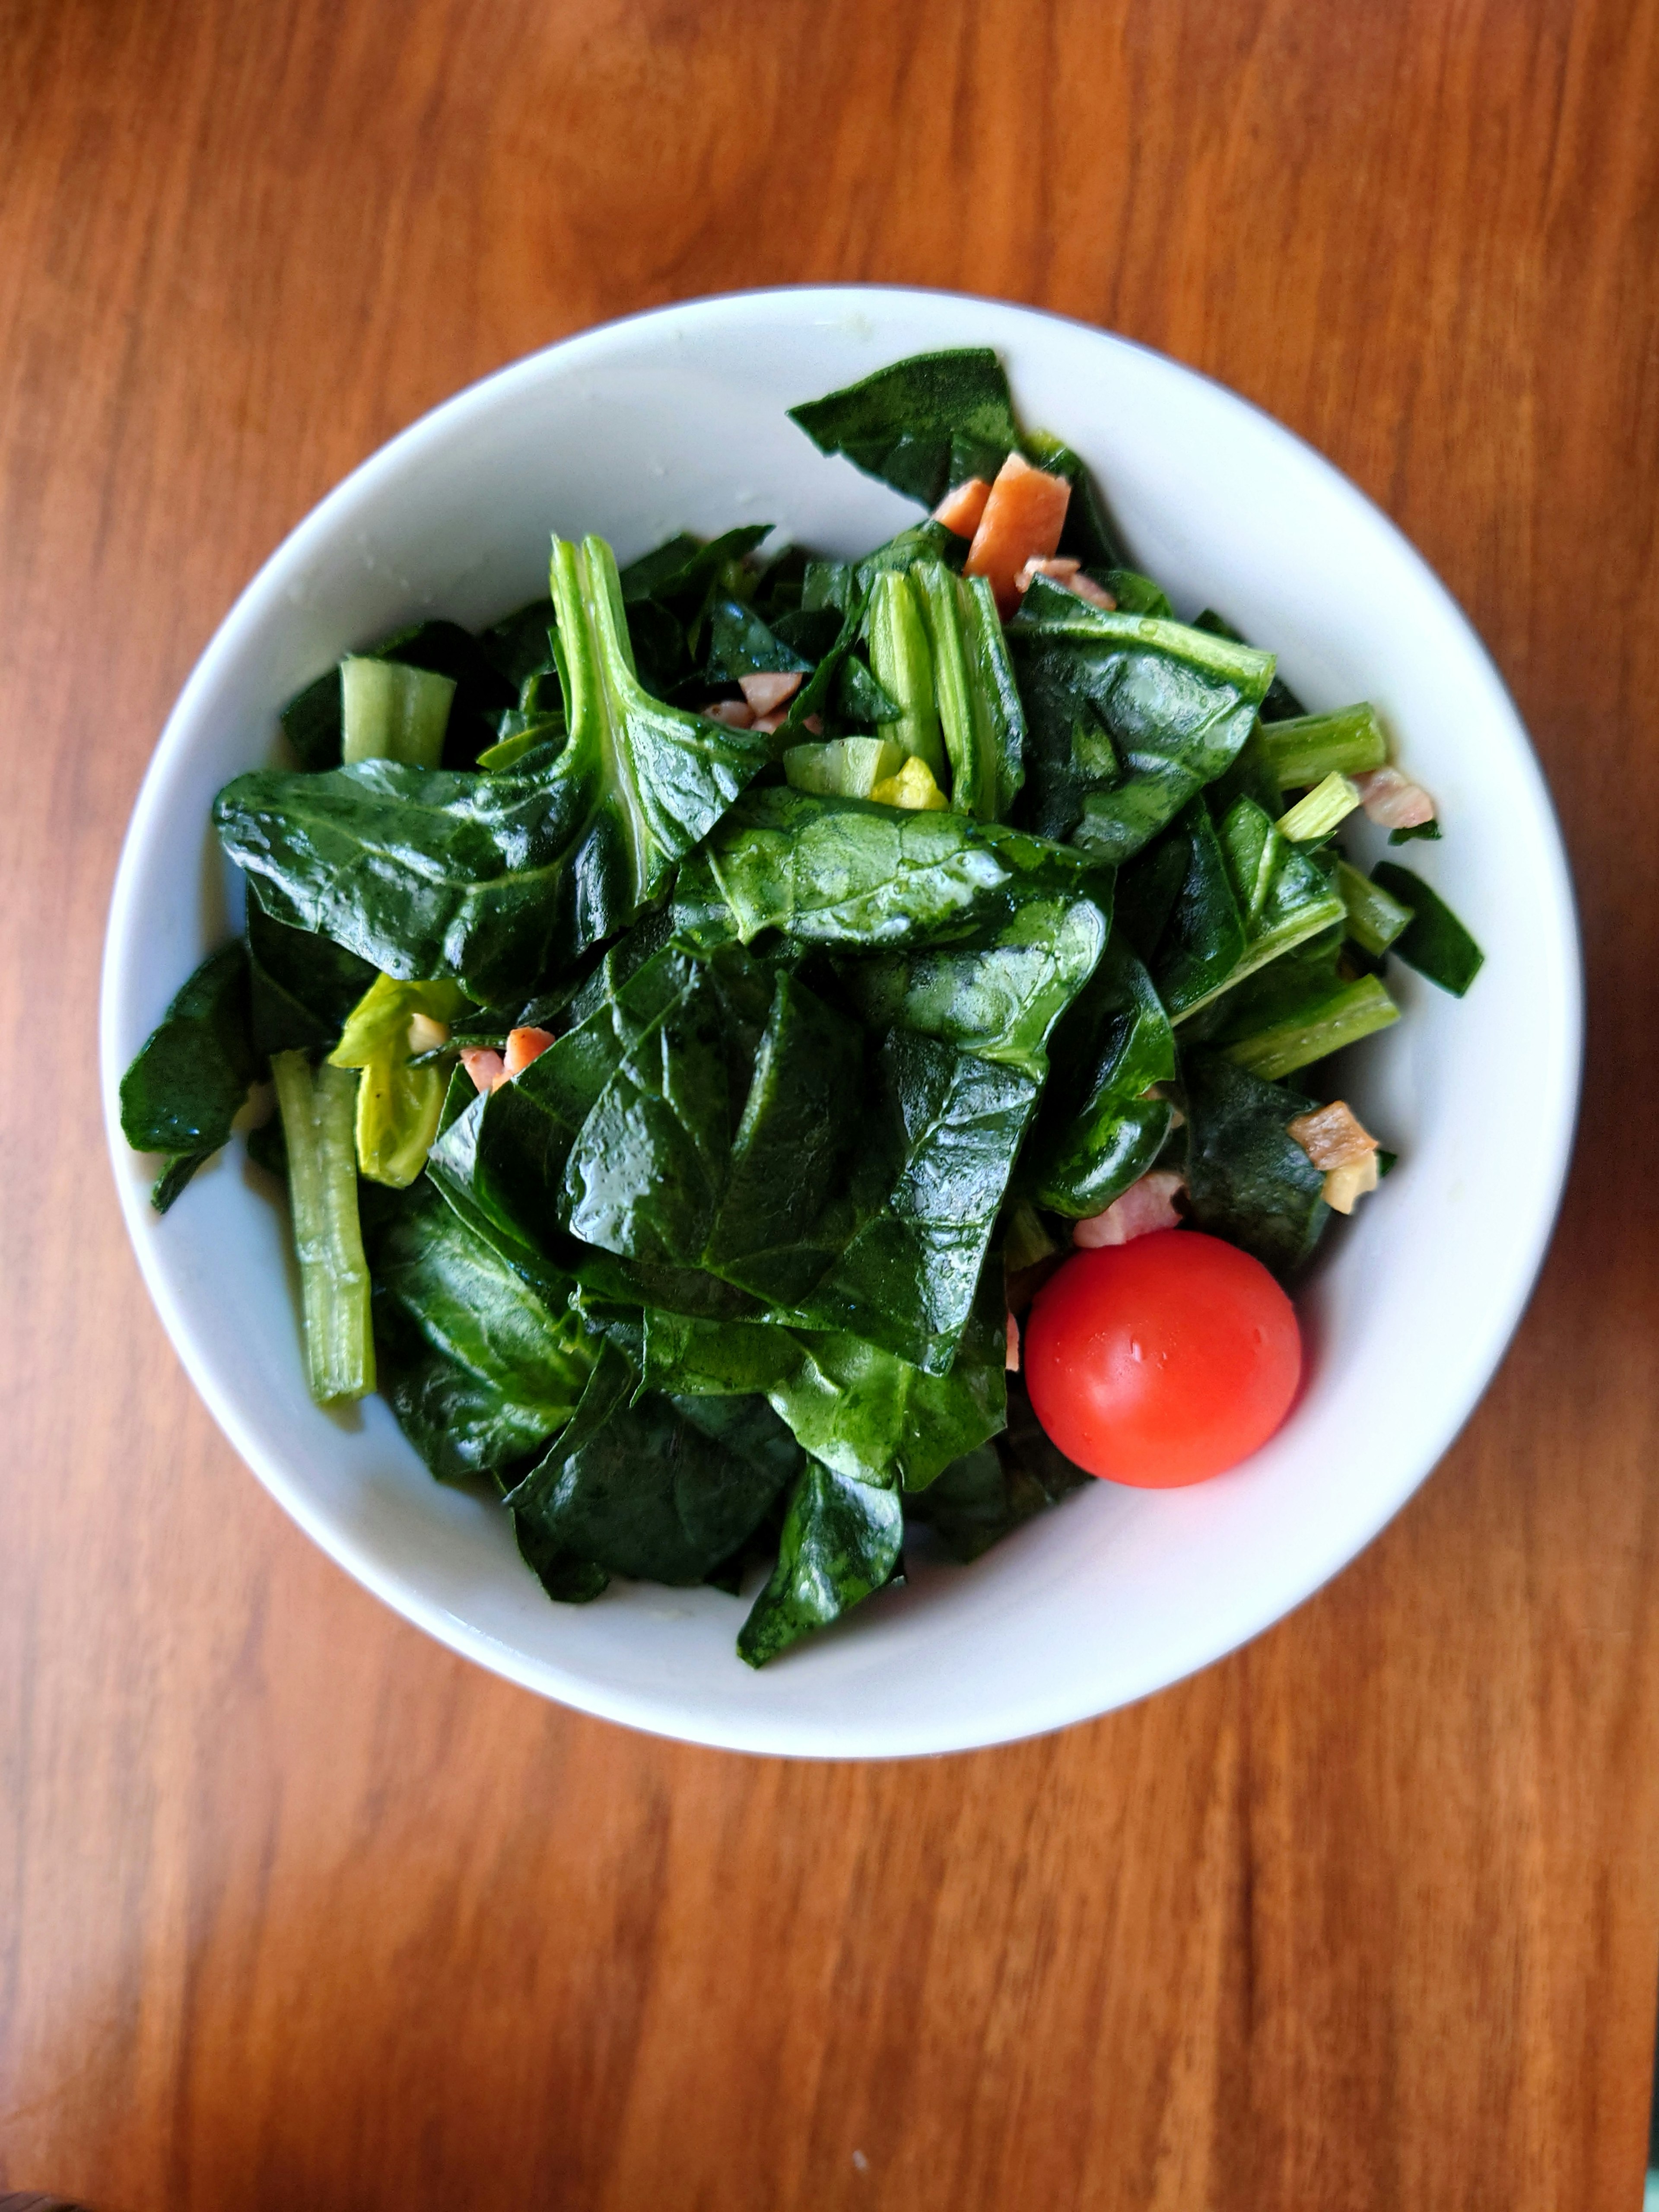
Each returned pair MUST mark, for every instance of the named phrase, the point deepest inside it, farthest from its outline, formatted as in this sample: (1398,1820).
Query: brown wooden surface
(297,1910)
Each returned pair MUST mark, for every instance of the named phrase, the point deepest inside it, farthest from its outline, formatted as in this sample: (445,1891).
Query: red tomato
(1163,1361)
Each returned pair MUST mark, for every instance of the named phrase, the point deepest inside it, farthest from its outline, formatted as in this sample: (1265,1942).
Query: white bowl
(675,420)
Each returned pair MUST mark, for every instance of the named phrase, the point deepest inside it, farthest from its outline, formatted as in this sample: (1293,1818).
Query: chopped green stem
(1310,746)
(1326,805)
(391,712)
(841,768)
(1375,919)
(903,665)
(317,1110)
(1355,1010)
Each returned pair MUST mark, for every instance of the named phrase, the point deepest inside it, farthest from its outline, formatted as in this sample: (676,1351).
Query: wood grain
(296,1909)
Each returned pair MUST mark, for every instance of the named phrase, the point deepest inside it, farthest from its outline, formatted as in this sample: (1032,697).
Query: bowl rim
(657,1714)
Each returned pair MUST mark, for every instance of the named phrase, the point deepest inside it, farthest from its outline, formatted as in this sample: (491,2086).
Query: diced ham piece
(1068,574)
(522,1047)
(768,723)
(1332,1136)
(1146,1206)
(962,505)
(736,714)
(1011,1358)
(1023,520)
(815,723)
(1344,1185)
(769,689)
(487,1069)
(1392,800)
(425,1034)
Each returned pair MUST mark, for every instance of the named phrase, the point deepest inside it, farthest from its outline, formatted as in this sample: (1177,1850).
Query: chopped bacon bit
(1392,800)
(961,507)
(522,1047)
(1146,1206)
(1011,1358)
(487,1069)
(769,689)
(1069,575)
(815,723)
(736,714)
(1351,1181)
(425,1034)
(768,723)
(1332,1136)
(1023,520)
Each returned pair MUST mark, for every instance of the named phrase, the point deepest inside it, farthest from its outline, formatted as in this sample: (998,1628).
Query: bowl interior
(675,420)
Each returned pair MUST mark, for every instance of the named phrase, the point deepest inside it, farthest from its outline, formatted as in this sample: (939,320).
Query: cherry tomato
(1163,1361)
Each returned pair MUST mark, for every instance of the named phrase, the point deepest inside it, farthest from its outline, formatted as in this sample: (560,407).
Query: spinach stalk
(317,1112)
(903,665)
(1306,748)
(389,711)
(1345,1014)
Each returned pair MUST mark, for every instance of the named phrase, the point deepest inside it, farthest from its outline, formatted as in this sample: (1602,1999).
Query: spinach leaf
(302,986)
(477,1367)
(1128,718)
(650,1488)
(920,425)
(846,871)
(1247,896)
(1434,941)
(923,541)
(840,1541)
(876,1418)
(1246,1180)
(999,995)
(939,1138)
(741,644)
(517,646)
(1098,1131)
(493,878)
(1282,704)
(1138,595)
(982,1498)
(680,571)
(192,1075)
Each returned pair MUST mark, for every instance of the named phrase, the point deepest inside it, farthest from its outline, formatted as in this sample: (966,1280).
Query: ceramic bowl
(675,420)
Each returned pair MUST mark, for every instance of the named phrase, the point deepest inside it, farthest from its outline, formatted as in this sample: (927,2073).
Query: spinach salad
(703,1009)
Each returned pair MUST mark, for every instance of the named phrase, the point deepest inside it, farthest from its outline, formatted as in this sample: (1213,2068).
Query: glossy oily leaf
(937,1145)
(981,719)
(1247,1180)
(1434,941)
(840,1541)
(1098,1130)
(998,996)
(302,986)
(860,1409)
(843,871)
(475,1366)
(920,425)
(1128,718)
(652,1488)
(397,1104)
(1281,704)
(494,879)
(985,1495)
(191,1077)
(741,644)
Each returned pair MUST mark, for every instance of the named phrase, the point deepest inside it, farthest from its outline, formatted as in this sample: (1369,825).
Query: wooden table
(298,1910)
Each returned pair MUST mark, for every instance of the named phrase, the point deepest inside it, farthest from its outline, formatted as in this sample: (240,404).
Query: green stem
(903,666)
(1375,919)
(1355,1010)
(1309,747)
(391,712)
(1326,806)
(317,1111)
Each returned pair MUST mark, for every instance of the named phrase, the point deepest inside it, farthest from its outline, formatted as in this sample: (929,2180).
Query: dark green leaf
(1246,1179)
(980,1499)
(649,1488)
(475,1366)
(840,1541)
(1098,1131)
(494,879)
(679,572)
(302,986)
(517,646)
(1281,704)
(192,1075)
(741,644)
(1429,831)
(1128,717)
(1434,941)
(920,425)
(1137,594)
